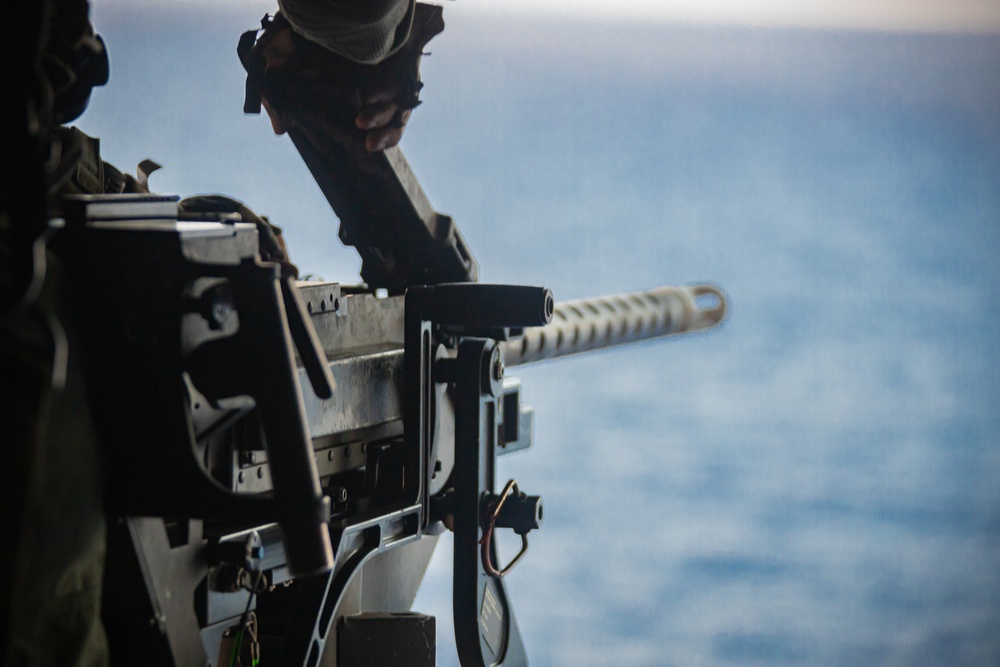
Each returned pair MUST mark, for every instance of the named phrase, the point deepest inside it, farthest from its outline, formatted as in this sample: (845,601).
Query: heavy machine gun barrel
(592,324)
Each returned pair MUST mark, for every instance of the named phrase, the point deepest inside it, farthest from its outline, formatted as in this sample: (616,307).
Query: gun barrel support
(592,324)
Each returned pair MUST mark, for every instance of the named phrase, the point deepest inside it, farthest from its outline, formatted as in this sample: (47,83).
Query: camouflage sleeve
(364,31)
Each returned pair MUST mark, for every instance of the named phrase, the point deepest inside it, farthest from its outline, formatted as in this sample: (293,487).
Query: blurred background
(817,482)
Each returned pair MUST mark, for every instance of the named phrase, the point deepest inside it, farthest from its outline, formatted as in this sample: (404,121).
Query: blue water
(816,483)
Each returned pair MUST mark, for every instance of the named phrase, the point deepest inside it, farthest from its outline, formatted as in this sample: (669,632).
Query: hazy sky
(896,15)
(922,15)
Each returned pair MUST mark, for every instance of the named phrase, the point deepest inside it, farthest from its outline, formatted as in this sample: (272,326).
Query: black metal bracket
(486,629)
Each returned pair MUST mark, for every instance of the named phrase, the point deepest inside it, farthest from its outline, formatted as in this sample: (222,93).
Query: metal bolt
(498,369)
(220,311)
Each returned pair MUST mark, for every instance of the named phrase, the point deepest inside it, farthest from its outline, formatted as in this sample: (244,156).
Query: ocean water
(818,481)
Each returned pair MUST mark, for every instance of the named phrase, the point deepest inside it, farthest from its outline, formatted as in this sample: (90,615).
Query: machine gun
(283,456)
(280,457)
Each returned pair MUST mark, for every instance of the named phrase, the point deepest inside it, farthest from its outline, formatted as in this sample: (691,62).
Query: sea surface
(817,482)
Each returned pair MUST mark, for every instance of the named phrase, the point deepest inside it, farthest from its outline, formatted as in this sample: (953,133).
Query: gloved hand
(290,75)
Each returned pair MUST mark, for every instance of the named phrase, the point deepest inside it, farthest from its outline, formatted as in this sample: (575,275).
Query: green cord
(236,649)
(243,622)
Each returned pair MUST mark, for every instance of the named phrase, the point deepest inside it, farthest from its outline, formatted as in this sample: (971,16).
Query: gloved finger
(277,124)
(379,140)
(376,115)
(384,92)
